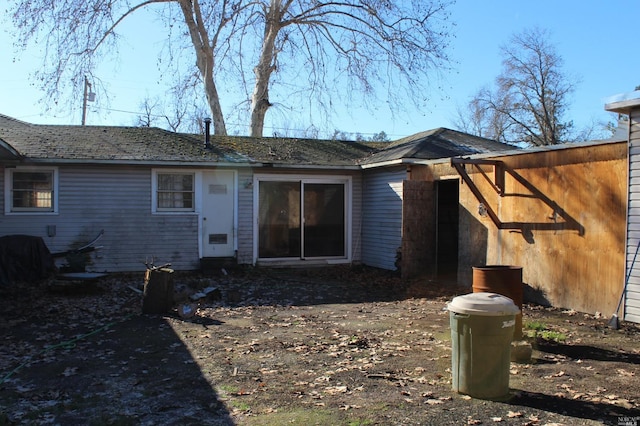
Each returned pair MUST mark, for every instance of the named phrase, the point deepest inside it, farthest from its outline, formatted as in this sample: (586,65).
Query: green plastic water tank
(482,327)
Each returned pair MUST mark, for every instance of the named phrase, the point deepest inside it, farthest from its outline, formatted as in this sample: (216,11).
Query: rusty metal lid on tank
(484,304)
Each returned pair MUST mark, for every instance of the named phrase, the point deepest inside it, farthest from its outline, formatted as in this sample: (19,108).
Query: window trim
(8,191)
(197,185)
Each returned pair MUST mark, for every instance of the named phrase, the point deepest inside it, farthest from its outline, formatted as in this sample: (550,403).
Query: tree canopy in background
(288,53)
(530,96)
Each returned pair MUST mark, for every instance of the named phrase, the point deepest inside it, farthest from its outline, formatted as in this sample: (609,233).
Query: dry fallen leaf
(70,371)
(623,372)
(349,407)
(334,390)
(497,419)
(514,414)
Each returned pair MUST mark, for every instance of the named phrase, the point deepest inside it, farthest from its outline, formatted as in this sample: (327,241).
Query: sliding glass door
(279,219)
(324,220)
(302,219)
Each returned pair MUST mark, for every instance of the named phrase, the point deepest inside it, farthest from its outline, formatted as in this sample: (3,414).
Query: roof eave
(190,164)
(61,161)
(310,166)
(623,103)
(9,149)
(386,163)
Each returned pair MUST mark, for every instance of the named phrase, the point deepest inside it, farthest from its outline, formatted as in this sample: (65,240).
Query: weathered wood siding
(382,217)
(568,211)
(419,226)
(632,295)
(118,201)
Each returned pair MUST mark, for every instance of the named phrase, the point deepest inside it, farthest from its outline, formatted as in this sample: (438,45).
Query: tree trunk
(266,65)
(219,127)
(204,61)
(158,291)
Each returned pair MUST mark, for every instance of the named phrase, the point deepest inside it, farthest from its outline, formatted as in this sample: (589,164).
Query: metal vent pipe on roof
(207,136)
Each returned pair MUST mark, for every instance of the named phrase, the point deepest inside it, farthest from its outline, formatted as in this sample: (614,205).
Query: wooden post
(158,291)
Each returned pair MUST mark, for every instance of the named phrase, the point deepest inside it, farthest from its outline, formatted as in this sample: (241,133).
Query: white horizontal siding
(632,294)
(382,217)
(245,215)
(356,218)
(118,201)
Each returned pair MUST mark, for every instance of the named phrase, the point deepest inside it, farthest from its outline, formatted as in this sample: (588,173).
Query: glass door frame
(346,181)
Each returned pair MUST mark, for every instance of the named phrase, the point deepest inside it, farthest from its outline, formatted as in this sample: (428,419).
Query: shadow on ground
(579,351)
(579,409)
(92,358)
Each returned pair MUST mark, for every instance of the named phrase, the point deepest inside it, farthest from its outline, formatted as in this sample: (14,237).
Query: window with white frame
(175,191)
(30,190)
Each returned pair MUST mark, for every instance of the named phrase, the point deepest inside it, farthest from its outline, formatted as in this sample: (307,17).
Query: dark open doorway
(447,192)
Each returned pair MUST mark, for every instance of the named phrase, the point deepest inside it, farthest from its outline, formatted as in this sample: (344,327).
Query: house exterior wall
(357,209)
(382,217)
(632,294)
(245,217)
(567,212)
(118,201)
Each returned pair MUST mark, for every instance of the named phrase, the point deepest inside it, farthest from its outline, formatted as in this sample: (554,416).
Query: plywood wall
(565,214)
(567,209)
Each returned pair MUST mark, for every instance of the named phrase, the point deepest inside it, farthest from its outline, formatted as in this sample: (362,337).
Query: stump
(157,296)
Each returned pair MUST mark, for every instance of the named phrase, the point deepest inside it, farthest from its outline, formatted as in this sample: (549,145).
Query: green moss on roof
(149,144)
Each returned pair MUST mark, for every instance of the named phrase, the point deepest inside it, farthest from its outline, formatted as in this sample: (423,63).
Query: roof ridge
(9,118)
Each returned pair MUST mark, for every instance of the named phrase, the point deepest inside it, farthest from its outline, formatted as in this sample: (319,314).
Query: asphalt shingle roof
(150,144)
(91,143)
(435,144)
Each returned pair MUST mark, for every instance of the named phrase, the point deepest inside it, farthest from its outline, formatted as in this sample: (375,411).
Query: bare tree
(254,46)
(153,111)
(174,114)
(147,117)
(530,98)
(478,118)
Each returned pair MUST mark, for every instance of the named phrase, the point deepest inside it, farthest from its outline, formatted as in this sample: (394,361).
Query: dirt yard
(337,346)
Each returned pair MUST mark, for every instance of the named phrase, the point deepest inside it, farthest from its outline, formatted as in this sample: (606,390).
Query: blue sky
(596,40)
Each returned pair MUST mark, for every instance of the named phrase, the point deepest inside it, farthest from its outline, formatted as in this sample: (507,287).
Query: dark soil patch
(347,346)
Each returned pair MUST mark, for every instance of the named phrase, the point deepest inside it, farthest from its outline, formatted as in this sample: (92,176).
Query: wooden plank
(418,225)
(587,185)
